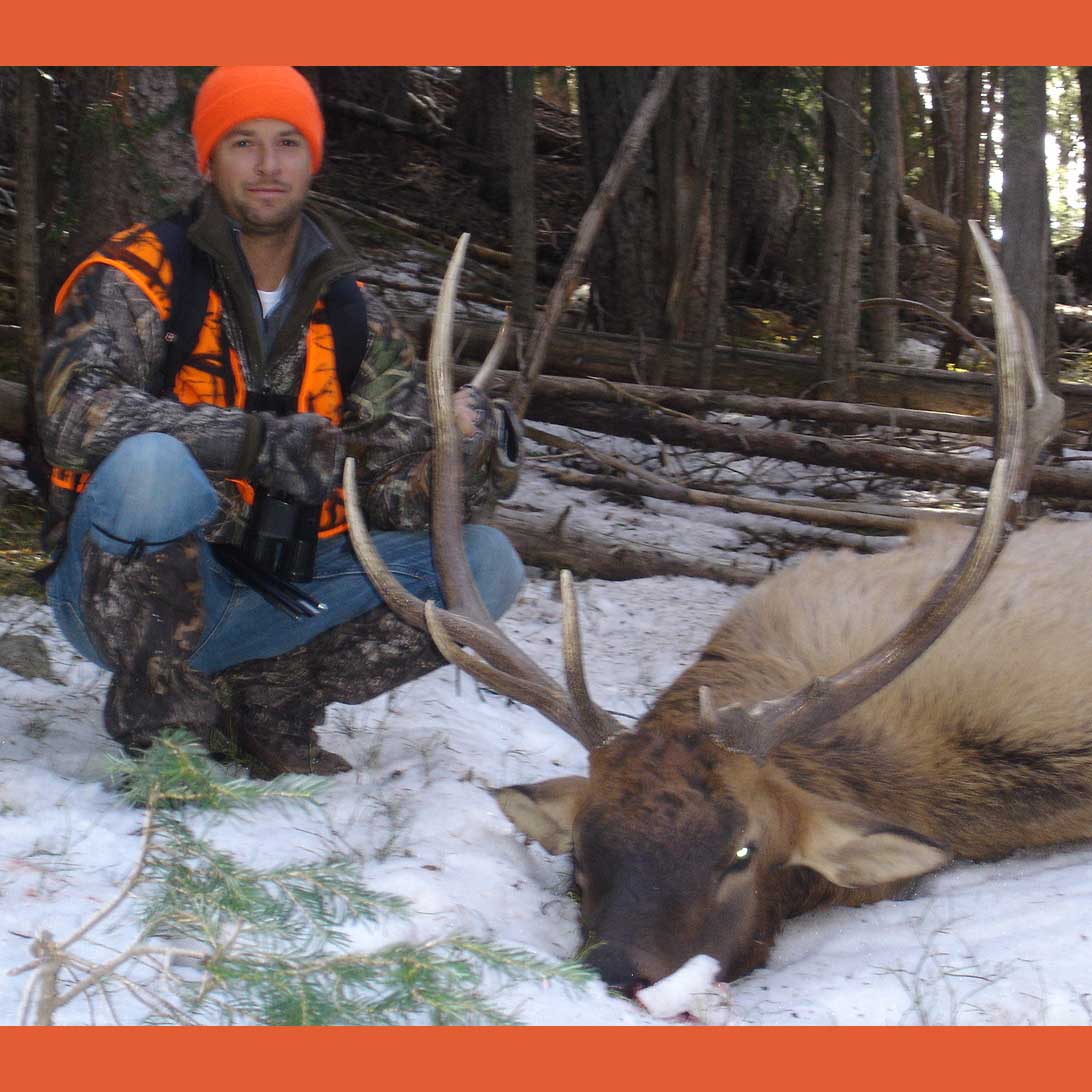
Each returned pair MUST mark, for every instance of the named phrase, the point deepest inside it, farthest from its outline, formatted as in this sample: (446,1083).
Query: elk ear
(852,849)
(544,812)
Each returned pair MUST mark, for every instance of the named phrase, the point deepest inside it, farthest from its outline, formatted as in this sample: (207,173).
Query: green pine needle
(275,941)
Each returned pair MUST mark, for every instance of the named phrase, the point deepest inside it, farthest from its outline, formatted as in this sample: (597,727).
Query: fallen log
(750,370)
(543,539)
(648,427)
(655,485)
(413,229)
(423,133)
(800,513)
(434,290)
(691,401)
(929,218)
(13,408)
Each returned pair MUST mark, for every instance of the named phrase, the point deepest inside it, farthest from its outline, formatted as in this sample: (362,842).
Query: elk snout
(617,969)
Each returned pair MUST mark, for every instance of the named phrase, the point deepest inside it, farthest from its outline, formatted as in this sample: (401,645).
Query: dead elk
(834,739)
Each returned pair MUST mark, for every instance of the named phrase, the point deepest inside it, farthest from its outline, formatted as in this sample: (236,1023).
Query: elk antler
(499,663)
(1020,436)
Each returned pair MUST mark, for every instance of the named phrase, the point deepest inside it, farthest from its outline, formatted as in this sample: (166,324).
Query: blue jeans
(150,488)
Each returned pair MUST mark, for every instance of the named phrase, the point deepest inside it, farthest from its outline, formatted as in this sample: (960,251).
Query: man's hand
(470,410)
(495,422)
(491,427)
(300,456)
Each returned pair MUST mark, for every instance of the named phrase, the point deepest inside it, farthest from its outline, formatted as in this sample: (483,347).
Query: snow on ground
(1000,943)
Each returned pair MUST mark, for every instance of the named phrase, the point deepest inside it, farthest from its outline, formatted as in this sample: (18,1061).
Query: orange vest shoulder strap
(138,253)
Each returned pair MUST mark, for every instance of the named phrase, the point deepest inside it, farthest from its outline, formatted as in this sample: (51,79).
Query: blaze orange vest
(211,375)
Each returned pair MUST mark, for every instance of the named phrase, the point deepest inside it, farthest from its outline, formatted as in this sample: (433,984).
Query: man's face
(261,171)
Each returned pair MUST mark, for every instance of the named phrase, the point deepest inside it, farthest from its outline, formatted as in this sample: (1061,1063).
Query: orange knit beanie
(237,93)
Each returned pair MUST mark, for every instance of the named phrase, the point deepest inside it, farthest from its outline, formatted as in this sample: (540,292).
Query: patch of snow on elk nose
(692,990)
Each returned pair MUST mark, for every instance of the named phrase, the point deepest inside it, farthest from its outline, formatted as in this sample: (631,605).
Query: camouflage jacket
(102,379)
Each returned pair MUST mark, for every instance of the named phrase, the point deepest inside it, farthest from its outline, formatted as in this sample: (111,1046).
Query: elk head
(685,840)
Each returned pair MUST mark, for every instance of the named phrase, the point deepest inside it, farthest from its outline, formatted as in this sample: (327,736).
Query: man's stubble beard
(282,225)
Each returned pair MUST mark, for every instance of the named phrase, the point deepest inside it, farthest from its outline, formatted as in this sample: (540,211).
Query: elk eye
(740,860)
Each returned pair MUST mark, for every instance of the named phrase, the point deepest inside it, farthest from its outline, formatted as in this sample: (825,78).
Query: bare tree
(916,161)
(482,121)
(1082,262)
(385,88)
(687,142)
(992,84)
(724,131)
(943,157)
(968,206)
(27,265)
(886,191)
(1025,214)
(523,195)
(839,307)
(129,154)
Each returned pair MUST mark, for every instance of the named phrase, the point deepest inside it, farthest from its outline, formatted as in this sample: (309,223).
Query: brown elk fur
(981,747)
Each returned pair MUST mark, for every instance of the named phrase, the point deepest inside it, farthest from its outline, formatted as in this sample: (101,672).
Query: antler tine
(499,663)
(403,603)
(600,724)
(757,730)
(1047,411)
(484,375)
(537,689)
(523,682)
(449,554)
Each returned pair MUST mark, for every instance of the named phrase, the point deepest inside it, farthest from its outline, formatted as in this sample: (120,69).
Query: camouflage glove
(300,456)
(491,451)
(507,451)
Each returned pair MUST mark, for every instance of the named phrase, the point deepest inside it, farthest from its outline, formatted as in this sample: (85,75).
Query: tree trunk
(916,161)
(523,196)
(1025,219)
(481,121)
(954,91)
(992,80)
(384,89)
(943,148)
(130,155)
(686,136)
(1082,260)
(967,263)
(613,182)
(628,266)
(886,191)
(839,308)
(718,243)
(27,253)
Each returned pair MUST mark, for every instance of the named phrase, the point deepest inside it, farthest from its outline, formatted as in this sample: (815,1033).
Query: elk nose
(616,969)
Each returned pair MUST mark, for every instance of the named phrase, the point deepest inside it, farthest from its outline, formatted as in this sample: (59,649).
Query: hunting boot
(274,705)
(144,613)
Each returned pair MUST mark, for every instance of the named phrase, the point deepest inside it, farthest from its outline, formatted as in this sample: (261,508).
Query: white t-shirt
(269,300)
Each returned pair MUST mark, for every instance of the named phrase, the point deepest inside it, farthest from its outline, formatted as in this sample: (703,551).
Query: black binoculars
(281,536)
